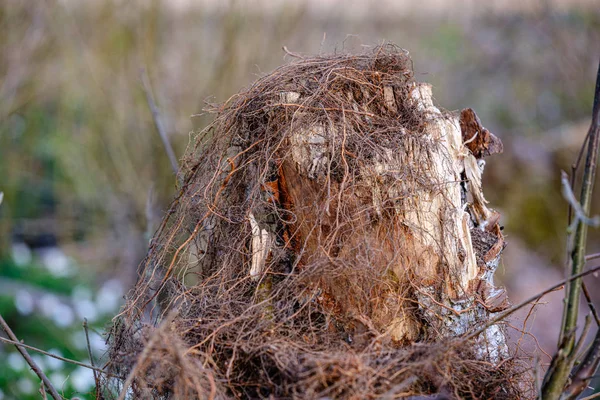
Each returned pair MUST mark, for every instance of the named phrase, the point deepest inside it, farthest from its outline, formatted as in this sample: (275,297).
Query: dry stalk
(38,371)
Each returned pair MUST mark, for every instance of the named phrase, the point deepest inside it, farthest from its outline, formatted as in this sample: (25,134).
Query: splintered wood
(416,208)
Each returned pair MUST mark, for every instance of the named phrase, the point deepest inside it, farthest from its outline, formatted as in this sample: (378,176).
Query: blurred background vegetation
(86,178)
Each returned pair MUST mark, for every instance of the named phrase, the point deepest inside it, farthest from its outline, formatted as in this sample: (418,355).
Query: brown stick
(594,396)
(30,361)
(591,306)
(68,360)
(89,347)
(586,370)
(591,257)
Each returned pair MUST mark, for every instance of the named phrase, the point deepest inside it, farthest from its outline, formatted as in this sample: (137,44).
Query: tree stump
(417,246)
(331,219)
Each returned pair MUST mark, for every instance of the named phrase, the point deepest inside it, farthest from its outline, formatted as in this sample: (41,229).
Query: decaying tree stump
(331,238)
(418,218)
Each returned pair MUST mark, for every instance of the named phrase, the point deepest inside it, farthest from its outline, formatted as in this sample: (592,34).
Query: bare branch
(556,377)
(581,340)
(591,306)
(590,257)
(594,396)
(585,372)
(38,371)
(89,347)
(19,344)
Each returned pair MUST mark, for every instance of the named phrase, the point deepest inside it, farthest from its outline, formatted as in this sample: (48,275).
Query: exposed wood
(260,248)
(479,140)
(439,280)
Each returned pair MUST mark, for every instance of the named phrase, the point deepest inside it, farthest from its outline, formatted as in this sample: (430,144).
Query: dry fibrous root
(330,239)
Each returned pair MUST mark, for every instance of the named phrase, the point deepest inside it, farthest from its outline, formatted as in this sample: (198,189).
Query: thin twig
(586,293)
(296,55)
(582,337)
(89,347)
(68,360)
(517,307)
(42,391)
(594,396)
(158,121)
(585,372)
(591,306)
(29,360)
(574,168)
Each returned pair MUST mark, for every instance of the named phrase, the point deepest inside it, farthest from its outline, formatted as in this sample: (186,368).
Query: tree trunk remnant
(443,231)
(331,238)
